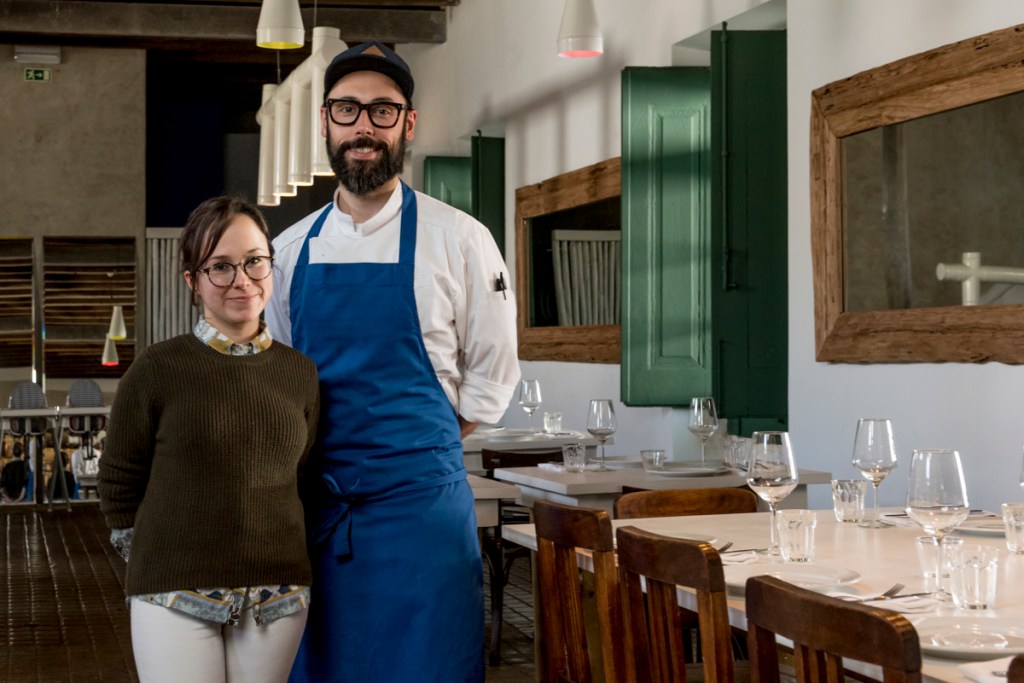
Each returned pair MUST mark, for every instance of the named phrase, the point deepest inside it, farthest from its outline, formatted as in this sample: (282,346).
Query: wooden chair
(566,643)
(655,628)
(500,554)
(1015,672)
(680,502)
(824,630)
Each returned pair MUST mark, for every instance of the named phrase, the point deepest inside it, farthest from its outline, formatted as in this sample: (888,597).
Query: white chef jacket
(468,324)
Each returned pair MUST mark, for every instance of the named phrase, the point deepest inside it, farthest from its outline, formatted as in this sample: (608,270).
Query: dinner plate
(687,470)
(812,576)
(620,462)
(982,526)
(970,637)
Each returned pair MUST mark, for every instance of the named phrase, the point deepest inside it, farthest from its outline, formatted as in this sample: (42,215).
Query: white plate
(812,576)
(982,526)
(686,470)
(970,637)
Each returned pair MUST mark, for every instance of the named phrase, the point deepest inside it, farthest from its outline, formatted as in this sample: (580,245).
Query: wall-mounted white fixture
(282,120)
(265,117)
(580,34)
(37,54)
(280,25)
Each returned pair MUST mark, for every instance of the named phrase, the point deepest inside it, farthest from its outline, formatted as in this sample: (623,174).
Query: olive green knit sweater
(202,456)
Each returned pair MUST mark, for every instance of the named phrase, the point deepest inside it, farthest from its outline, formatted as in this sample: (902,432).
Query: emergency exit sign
(37,74)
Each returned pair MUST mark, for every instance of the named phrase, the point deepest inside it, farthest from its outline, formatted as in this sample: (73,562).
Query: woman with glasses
(199,480)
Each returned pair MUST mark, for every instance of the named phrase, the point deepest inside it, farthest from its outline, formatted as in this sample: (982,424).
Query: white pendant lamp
(579,34)
(117,331)
(110,353)
(280,26)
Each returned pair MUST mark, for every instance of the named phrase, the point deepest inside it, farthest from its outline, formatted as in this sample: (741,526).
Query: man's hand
(467,428)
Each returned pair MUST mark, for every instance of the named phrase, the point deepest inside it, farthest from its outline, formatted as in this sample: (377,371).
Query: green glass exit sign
(37,74)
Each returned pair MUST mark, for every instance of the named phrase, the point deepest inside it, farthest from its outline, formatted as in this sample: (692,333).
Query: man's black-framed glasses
(345,112)
(223,273)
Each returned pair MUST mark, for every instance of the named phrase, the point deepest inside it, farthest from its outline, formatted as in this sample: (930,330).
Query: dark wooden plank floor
(62,603)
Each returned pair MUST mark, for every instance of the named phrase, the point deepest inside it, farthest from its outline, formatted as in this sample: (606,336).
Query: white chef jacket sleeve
(486,328)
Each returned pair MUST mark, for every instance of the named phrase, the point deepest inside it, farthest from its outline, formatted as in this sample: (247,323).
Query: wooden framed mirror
(589,195)
(946,78)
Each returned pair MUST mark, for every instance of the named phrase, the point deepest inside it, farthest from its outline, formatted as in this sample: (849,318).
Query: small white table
(880,556)
(601,489)
(519,440)
(486,494)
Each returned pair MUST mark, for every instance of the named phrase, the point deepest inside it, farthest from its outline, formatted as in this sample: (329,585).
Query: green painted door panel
(489,186)
(450,179)
(666,323)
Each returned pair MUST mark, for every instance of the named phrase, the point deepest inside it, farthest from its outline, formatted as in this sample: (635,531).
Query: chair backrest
(1015,672)
(562,529)
(492,459)
(26,396)
(655,627)
(680,502)
(85,393)
(824,630)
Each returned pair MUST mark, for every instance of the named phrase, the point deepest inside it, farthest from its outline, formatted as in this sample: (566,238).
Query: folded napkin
(982,671)
(555,467)
(748,557)
(909,605)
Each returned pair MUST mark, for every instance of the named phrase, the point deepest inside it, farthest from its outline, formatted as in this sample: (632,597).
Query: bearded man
(401,301)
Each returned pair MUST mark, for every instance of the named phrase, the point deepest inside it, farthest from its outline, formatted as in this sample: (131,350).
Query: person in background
(85,465)
(401,301)
(199,477)
(14,477)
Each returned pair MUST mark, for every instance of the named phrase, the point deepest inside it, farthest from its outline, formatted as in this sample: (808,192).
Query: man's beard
(360,176)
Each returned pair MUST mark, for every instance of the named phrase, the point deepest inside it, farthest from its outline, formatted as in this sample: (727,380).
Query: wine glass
(703,421)
(529,398)
(1022,475)
(937,496)
(771,473)
(874,454)
(601,424)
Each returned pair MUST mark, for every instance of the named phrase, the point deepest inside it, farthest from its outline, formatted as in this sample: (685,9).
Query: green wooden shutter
(749,227)
(666,318)
(450,180)
(489,186)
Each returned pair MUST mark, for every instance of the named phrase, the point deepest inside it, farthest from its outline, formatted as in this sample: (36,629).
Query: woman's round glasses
(346,112)
(222,273)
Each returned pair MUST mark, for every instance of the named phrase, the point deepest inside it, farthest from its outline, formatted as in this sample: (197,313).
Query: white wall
(499,71)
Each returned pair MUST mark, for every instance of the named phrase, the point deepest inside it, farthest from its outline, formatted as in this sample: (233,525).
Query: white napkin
(908,605)
(555,467)
(738,558)
(982,671)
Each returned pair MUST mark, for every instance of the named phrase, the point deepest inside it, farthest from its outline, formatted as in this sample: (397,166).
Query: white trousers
(171,646)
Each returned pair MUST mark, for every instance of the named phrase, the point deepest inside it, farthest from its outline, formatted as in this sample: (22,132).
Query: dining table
(854,562)
(600,490)
(515,439)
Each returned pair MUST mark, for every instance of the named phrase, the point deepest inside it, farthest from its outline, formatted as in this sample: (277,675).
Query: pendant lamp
(280,26)
(117,331)
(110,353)
(580,35)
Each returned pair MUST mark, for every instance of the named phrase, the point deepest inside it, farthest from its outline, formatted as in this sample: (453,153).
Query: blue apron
(397,589)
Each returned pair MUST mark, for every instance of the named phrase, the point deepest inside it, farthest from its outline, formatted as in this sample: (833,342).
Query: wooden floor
(63,614)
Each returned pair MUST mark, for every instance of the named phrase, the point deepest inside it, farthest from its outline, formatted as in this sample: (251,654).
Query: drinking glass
(937,495)
(874,454)
(529,398)
(601,424)
(772,474)
(703,421)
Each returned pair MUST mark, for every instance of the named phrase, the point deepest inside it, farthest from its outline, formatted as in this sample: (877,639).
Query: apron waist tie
(335,507)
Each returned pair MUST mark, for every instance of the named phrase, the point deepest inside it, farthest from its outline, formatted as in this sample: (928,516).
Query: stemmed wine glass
(703,421)
(529,398)
(937,496)
(874,454)
(771,473)
(601,424)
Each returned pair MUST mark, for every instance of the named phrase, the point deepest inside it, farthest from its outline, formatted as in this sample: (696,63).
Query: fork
(888,594)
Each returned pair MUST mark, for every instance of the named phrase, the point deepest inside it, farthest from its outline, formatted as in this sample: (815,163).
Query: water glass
(972,576)
(552,423)
(848,499)
(654,459)
(933,555)
(574,457)
(796,534)
(1013,520)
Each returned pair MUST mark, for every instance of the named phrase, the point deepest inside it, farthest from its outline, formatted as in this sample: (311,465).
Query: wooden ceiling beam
(166,23)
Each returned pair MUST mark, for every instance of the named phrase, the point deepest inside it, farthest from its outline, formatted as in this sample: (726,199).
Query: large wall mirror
(578,215)
(916,203)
